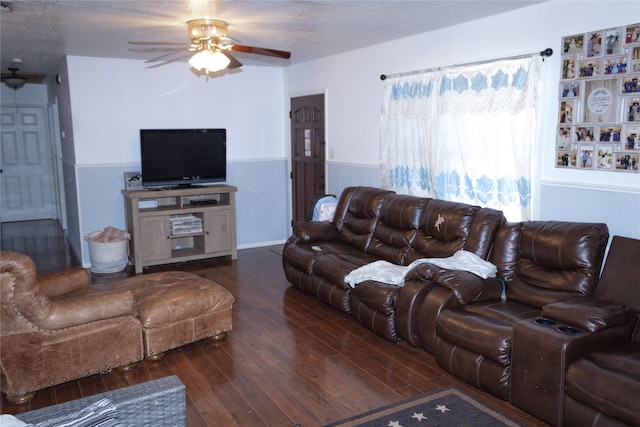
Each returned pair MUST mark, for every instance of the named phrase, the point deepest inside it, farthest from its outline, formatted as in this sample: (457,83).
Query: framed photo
(632,138)
(594,44)
(625,162)
(629,85)
(635,60)
(570,90)
(565,159)
(589,68)
(566,112)
(604,159)
(585,134)
(612,41)
(600,101)
(632,110)
(563,139)
(573,44)
(610,133)
(632,34)
(569,67)
(586,153)
(615,65)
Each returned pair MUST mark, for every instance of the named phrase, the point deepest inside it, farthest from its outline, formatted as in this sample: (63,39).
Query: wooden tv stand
(150,214)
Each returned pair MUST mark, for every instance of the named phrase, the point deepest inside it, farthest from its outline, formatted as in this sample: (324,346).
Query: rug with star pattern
(443,407)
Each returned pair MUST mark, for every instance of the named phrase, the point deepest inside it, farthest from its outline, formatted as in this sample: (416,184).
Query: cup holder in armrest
(544,322)
(569,330)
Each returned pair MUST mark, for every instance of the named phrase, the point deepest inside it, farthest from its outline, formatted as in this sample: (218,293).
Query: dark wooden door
(307,153)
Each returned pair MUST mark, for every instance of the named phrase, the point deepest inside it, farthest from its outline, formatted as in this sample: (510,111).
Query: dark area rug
(443,407)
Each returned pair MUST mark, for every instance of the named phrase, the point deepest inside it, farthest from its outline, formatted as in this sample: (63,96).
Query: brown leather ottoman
(178,308)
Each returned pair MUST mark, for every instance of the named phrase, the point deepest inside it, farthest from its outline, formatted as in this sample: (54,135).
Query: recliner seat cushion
(608,381)
(486,336)
(335,267)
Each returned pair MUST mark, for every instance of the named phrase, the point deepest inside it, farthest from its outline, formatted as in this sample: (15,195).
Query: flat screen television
(182,157)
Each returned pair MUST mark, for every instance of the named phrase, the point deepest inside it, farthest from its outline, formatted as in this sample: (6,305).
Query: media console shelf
(176,225)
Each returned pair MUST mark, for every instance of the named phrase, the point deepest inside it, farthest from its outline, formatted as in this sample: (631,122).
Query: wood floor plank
(207,403)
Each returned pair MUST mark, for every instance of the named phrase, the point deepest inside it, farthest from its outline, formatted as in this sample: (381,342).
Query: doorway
(308,147)
(27,178)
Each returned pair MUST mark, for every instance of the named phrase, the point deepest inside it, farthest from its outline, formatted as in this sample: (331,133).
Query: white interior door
(26,174)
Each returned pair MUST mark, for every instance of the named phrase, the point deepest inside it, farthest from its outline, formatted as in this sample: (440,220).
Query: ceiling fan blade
(31,77)
(160,43)
(234,62)
(261,51)
(166,55)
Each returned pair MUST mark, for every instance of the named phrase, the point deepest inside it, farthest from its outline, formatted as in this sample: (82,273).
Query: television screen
(183,157)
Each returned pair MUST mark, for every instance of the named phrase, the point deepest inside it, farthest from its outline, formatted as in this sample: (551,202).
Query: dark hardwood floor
(290,359)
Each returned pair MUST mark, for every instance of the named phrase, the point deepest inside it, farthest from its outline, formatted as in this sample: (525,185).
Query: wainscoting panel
(341,176)
(620,210)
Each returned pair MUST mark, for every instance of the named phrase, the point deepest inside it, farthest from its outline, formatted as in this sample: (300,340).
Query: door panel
(26,178)
(307,153)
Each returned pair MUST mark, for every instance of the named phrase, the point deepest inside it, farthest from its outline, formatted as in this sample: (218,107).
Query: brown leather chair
(603,387)
(541,262)
(54,329)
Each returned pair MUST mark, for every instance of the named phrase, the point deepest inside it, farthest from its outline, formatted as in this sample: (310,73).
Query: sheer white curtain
(464,134)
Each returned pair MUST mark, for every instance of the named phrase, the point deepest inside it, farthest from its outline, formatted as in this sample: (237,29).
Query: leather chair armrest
(423,272)
(467,287)
(71,280)
(312,232)
(587,313)
(73,311)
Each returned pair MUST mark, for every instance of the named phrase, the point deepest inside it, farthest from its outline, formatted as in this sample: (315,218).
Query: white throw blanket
(393,274)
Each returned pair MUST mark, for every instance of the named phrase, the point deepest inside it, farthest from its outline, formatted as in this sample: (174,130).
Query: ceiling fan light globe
(15,83)
(204,29)
(210,61)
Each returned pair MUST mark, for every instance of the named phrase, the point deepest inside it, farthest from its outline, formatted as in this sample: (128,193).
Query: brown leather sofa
(549,333)
(53,329)
(371,224)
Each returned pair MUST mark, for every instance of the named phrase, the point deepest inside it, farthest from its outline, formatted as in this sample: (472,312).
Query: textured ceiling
(42,32)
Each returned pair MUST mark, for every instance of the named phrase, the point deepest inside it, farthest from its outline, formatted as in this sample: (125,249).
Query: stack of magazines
(185,224)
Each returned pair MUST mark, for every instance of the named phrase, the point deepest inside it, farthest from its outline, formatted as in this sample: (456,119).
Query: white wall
(112,99)
(354,95)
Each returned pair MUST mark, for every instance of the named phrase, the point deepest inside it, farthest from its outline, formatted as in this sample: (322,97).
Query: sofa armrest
(73,311)
(312,232)
(469,288)
(64,282)
(587,313)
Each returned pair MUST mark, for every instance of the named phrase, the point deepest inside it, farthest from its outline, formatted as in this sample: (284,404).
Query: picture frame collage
(599,101)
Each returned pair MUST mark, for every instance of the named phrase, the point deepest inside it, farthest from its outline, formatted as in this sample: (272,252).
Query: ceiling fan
(210,47)
(15,81)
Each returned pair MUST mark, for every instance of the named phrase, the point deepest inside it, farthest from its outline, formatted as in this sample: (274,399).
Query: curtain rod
(547,52)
